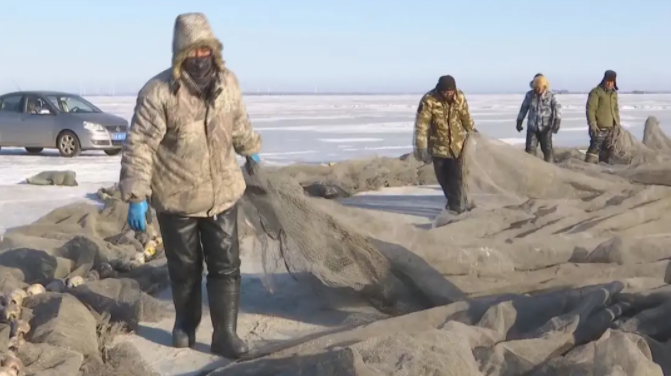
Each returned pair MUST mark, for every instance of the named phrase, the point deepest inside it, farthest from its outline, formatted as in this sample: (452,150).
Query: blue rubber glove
(251,163)
(137,212)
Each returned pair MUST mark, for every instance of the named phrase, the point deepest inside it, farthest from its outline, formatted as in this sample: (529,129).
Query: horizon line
(371,93)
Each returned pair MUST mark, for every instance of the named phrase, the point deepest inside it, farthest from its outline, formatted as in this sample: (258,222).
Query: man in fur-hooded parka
(544,117)
(189,124)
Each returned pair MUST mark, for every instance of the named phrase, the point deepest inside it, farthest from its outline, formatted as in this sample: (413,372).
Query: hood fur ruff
(193,30)
(540,81)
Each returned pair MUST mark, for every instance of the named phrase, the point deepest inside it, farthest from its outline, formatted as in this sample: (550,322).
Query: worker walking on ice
(189,123)
(603,117)
(442,125)
(544,110)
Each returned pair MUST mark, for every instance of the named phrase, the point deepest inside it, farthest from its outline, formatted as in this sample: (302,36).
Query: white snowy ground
(295,129)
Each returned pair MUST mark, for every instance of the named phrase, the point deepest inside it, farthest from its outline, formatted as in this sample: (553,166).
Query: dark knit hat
(611,76)
(446,83)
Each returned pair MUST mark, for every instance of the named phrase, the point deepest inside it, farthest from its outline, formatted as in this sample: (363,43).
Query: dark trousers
(599,150)
(544,137)
(450,176)
(189,242)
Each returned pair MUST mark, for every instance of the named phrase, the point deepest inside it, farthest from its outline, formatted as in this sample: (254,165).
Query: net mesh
(298,236)
(82,256)
(553,272)
(315,241)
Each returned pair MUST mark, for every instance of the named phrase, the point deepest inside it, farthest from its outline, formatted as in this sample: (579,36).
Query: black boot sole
(182,340)
(229,353)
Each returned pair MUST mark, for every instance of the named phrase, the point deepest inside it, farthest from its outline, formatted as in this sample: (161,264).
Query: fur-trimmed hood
(193,30)
(540,81)
(531,83)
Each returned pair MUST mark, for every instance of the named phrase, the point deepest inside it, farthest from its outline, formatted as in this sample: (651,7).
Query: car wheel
(113,152)
(34,150)
(68,144)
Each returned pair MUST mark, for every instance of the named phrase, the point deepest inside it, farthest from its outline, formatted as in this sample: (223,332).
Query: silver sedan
(38,120)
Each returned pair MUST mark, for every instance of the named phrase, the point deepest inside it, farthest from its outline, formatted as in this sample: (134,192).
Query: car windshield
(72,104)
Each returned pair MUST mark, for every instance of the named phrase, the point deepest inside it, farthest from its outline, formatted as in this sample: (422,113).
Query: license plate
(118,136)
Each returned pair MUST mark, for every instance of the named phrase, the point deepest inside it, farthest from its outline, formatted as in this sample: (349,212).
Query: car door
(36,123)
(10,112)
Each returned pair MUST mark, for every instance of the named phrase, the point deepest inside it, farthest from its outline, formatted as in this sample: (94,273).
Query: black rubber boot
(549,157)
(221,247)
(224,298)
(188,313)
(181,241)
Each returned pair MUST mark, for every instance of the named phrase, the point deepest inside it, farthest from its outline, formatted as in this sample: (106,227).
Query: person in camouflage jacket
(189,123)
(544,110)
(442,124)
(603,116)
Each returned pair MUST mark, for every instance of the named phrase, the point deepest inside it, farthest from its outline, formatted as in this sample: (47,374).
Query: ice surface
(313,129)
(332,127)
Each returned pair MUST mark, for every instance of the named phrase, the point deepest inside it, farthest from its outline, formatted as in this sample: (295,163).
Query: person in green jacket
(603,116)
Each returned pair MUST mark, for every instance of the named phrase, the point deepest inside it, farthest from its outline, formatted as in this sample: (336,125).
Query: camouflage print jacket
(543,110)
(180,149)
(442,125)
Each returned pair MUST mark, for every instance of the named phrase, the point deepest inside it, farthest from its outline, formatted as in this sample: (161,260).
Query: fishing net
(86,260)
(298,236)
(314,241)
(559,269)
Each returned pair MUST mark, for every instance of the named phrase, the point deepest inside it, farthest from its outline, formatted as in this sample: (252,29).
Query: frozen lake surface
(324,128)
(306,129)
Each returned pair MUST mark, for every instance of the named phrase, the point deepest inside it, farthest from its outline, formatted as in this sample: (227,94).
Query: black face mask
(201,70)
(198,67)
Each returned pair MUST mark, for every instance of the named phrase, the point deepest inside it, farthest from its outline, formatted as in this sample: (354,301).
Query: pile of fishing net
(69,283)
(560,269)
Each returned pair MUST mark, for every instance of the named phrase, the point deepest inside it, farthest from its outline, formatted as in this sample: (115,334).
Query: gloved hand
(137,212)
(423,155)
(251,163)
(556,125)
(520,128)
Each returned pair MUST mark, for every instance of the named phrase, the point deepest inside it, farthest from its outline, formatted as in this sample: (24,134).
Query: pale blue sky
(344,45)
